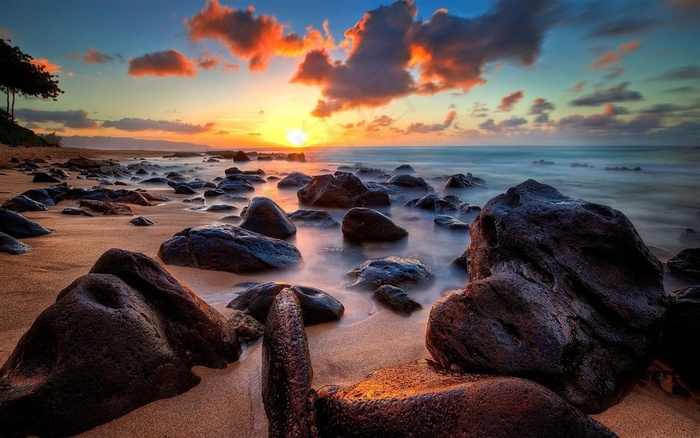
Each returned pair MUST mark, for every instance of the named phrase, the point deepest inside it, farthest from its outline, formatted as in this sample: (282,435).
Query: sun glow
(297,137)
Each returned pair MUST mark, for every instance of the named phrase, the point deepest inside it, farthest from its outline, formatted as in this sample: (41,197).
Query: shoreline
(228,402)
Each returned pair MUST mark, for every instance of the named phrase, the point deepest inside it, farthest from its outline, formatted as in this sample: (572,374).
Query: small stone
(142,221)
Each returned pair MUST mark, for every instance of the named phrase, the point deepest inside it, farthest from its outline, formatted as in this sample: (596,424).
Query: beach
(227,402)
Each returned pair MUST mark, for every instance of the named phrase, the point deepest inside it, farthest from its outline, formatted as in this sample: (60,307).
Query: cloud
(47,65)
(447,51)
(379,122)
(479,110)
(680,74)
(578,87)
(504,125)
(510,100)
(70,119)
(136,124)
(618,93)
(614,110)
(541,106)
(208,61)
(682,90)
(607,122)
(165,63)
(92,56)
(422,128)
(607,59)
(253,38)
(630,46)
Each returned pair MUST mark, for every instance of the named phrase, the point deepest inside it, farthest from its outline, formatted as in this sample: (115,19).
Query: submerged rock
(286,371)
(317,218)
(396,299)
(450,223)
(680,334)
(560,291)
(341,190)
(368,225)
(317,306)
(461,181)
(419,399)
(409,182)
(264,216)
(10,245)
(431,202)
(294,179)
(234,183)
(122,336)
(18,226)
(395,271)
(227,248)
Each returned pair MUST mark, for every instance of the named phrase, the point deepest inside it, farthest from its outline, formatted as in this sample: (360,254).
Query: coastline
(228,402)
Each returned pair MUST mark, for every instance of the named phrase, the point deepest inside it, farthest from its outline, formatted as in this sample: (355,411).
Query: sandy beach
(227,403)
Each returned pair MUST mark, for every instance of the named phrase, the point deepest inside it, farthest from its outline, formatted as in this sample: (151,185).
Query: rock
(688,236)
(317,306)
(264,216)
(73,211)
(341,190)
(18,226)
(542,162)
(122,336)
(236,170)
(247,328)
(158,197)
(409,182)
(299,157)
(195,200)
(460,181)
(404,169)
(419,399)
(366,225)
(560,291)
(87,163)
(43,177)
(462,260)
(221,207)
(686,264)
(625,169)
(184,189)
(293,180)
(235,183)
(11,245)
(316,218)
(450,223)
(107,208)
(396,299)
(41,196)
(395,271)
(214,193)
(155,181)
(431,202)
(22,203)
(122,196)
(142,221)
(227,248)
(59,173)
(680,334)
(286,371)
(240,156)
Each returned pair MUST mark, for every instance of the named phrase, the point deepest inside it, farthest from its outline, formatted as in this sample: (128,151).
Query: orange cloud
(630,46)
(47,65)
(607,59)
(253,38)
(510,100)
(165,63)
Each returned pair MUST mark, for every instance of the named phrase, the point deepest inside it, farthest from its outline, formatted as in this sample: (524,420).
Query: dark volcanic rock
(367,225)
(286,371)
(18,226)
(341,190)
(680,334)
(317,306)
(561,291)
(11,245)
(396,299)
(107,208)
(686,264)
(120,337)
(431,202)
(142,221)
(236,182)
(396,271)
(43,177)
(240,156)
(22,203)
(264,216)
(419,399)
(460,181)
(409,182)
(318,218)
(450,223)
(41,196)
(293,180)
(227,248)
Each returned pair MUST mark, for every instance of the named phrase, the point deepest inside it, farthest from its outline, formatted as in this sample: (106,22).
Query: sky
(235,74)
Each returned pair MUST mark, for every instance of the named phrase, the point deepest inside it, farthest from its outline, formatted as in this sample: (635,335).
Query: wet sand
(227,403)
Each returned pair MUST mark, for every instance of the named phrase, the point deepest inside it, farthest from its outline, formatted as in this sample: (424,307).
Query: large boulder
(561,291)
(240,157)
(317,306)
(227,248)
(294,180)
(420,399)
(409,182)
(286,371)
(122,336)
(264,216)
(40,195)
(431,202)
(236,182)
(680,334)
(18,226)
(461,181)
(395,271)
(367,225)
(340,190)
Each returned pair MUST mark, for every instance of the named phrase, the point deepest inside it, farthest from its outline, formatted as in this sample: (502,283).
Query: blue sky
(230,73)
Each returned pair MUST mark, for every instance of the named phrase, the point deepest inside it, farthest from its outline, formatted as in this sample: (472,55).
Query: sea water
(661,199)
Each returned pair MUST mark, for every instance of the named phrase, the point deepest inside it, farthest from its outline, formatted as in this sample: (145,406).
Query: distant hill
(13,134)
(120,143)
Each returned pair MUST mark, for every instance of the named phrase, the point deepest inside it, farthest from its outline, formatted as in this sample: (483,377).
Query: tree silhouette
(19,76)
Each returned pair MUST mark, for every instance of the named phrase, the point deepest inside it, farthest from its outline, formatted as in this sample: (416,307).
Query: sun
(297,137)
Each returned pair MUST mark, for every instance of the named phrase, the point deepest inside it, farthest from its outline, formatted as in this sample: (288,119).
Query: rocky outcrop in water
(686,264)
(408,182)
(461,181)
(314,218)
(561,291)
(432,202)
(240,157)
(401,272)
(367,225)
(117,338)
(396,299)
(227,248)
(294,180)
(264,216)
(341,190)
